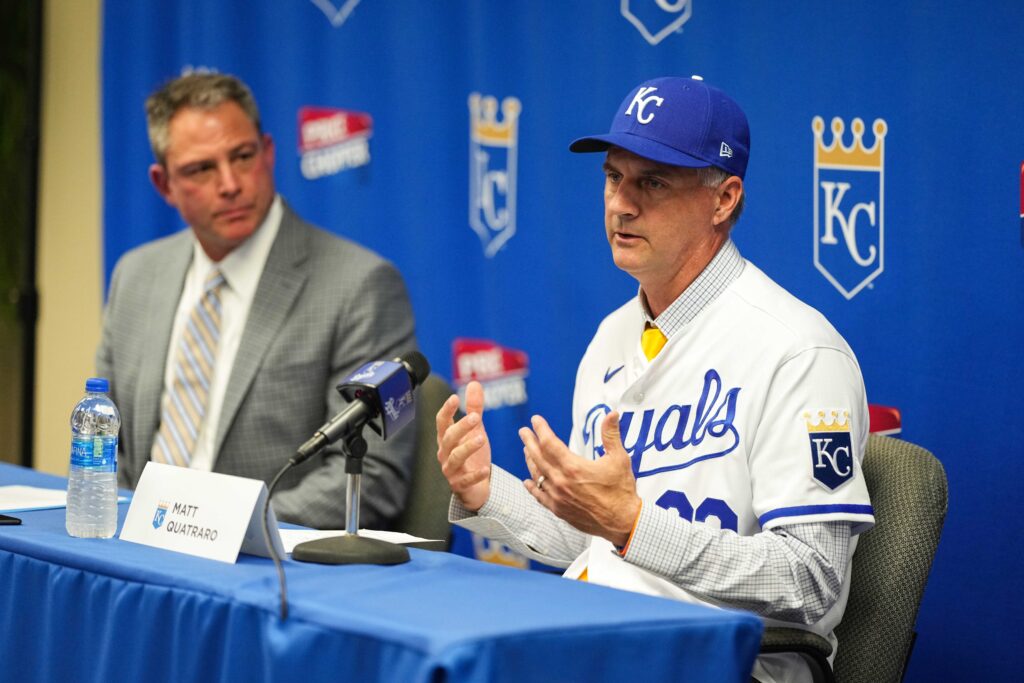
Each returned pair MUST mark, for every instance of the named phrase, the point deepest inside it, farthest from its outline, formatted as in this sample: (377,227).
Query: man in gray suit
(298,310)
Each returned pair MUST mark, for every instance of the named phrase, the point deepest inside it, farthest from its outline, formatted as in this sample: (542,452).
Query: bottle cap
(94,384)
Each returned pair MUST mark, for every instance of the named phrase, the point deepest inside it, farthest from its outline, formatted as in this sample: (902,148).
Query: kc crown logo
(492,169)
(160,514)
(831,449)
(658,19)
(849,206)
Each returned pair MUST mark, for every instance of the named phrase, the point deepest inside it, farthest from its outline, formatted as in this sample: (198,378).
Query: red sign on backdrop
(885,420)
(321,127)
(501,370)
(333,140)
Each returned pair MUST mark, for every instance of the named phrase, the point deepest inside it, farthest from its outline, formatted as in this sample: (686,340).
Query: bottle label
(97,453)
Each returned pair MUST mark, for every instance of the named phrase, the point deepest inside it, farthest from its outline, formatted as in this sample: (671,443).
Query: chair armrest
(814,649)
(779,639)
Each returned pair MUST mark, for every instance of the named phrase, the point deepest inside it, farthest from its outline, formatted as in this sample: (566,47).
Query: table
(105,610)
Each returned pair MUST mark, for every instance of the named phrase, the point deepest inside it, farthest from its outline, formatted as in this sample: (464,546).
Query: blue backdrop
(435,132)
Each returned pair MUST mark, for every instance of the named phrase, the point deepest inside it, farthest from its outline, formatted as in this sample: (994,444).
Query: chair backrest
(890,567)
(426,509)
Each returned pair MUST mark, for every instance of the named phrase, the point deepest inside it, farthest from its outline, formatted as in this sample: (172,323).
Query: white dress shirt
(242,269)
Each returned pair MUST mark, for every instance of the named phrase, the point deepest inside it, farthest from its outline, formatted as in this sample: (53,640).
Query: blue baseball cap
(678,121)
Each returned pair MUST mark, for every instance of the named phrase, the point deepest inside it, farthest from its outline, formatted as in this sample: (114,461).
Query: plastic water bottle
(92,478)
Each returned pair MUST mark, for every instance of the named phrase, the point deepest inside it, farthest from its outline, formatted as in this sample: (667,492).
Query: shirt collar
(724,268)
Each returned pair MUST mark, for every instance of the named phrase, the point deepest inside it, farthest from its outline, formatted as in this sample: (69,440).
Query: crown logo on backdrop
(822,426)
(857,156)
(483,120)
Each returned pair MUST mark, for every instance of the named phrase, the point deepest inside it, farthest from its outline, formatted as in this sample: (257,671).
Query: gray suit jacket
(323,307)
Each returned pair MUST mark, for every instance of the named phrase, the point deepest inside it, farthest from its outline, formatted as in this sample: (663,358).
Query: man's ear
(161,181)
(727,196)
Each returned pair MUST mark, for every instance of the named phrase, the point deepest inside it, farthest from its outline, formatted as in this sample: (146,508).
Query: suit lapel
(283,278)
(165,291)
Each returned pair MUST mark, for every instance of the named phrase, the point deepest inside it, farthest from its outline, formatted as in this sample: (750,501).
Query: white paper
(25,498)
(22,498)
(292,537)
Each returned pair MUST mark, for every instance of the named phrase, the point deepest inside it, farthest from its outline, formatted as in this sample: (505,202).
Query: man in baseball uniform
(718,422)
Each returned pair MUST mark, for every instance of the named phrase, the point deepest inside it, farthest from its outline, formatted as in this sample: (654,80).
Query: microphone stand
(351,548)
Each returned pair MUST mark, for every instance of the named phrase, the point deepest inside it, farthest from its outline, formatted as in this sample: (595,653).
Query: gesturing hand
(463,449)
(599,497)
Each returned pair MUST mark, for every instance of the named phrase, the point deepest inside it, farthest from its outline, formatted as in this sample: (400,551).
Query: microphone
(378,389)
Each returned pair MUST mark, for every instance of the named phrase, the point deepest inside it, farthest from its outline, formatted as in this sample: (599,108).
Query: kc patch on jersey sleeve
(831,447)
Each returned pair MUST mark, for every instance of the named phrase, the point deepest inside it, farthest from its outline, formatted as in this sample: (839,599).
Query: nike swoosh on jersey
(609,373)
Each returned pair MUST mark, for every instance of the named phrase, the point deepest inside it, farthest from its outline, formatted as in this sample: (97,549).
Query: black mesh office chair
(890,569)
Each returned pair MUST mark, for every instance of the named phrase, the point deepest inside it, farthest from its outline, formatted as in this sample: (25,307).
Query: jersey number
(711,507)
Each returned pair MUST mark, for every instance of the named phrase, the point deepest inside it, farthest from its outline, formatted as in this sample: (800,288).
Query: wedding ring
(540,482)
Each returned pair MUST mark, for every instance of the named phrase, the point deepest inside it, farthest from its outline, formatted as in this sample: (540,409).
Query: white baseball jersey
(753,415)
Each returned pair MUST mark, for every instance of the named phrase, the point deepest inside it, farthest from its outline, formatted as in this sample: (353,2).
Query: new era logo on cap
(678,121)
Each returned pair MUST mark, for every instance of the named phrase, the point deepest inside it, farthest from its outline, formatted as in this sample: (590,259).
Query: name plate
(200,513)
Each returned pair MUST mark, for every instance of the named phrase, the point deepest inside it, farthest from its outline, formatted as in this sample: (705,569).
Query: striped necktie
(184,403)
(652,341)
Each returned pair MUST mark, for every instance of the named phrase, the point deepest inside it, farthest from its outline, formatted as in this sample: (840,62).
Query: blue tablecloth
(107,610)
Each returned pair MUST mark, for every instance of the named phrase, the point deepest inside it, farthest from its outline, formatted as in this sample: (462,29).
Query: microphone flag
(387,386)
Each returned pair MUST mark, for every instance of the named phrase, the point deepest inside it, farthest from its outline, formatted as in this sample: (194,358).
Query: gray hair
(712,176)
(196,89)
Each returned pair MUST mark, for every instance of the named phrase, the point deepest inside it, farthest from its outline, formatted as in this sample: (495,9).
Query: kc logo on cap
(678,121)
(641,100)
